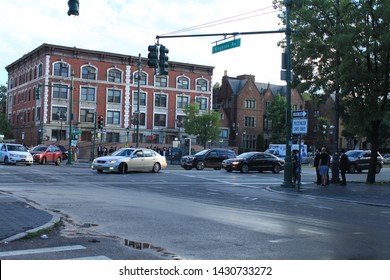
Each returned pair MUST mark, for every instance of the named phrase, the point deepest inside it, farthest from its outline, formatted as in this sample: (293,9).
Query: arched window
(183,82)
(88,72)
(201,84)
(114,76)
(61,68)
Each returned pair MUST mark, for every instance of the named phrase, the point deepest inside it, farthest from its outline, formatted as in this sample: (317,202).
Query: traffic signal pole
(70,154)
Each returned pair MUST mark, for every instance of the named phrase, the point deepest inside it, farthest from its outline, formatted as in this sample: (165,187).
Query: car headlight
(112,161)
(235,162)
(94,161)
(13,155)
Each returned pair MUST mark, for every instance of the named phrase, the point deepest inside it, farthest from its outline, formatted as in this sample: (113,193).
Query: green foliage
(5,127)
(277,114)
(205,125)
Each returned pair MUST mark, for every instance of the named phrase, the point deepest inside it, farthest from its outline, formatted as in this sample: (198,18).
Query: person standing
(324,165)
(295,165)
(343,166)
(316,165)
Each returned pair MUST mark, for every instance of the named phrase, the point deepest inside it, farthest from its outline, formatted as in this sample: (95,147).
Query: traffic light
(152,56)
(100,122)
(38,92)
(73,7)
(163,60)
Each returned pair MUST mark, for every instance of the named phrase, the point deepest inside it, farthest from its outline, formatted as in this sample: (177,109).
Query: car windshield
(17,148)
(201,152)
(39,149)
(123,152)
(353,153)
(246,155)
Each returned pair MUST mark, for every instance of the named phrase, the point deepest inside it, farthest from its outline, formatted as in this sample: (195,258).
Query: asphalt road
(204,214)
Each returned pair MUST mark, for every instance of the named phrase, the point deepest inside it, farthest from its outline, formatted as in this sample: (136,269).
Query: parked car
(211,158)
(15,153)
(44,154)
(254,161)
(130,159)
(64,152)
(359,160)
(386,158)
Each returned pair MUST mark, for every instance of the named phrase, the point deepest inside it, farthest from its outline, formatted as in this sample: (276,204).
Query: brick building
(104,84)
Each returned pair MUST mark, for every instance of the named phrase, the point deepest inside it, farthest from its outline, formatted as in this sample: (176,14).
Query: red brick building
(104,84)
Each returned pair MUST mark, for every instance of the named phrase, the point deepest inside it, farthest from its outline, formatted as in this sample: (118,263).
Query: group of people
(322,165)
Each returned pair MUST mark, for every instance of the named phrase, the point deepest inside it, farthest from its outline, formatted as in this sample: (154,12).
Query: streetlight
(127,136)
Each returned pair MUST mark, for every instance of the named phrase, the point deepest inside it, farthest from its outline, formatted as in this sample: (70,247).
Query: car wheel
(6,161)
(200,165)
(156,168)
(378,169)
(58,161)
(244,168)
(122,168)
(276,169)
(352,168)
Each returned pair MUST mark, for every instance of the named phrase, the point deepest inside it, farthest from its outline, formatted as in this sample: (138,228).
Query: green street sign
(225,46)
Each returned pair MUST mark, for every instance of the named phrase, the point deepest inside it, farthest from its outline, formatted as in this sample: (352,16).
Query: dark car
(254,161)
(211,158)
(359,160)
(64,152)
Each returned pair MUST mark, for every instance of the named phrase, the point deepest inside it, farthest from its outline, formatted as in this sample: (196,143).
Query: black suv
(359,160)
(207,158)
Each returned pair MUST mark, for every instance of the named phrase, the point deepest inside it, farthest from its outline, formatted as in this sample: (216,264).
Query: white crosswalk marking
(41,250)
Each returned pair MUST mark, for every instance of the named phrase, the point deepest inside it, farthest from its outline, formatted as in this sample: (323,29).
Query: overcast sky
(129,26)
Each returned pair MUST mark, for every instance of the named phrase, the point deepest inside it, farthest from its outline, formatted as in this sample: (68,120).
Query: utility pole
(70,119)
(138,98)
(288,166)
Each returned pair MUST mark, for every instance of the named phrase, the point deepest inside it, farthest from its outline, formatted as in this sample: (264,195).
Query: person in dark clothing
(316,165)
(295,165)
(324,165)
(343,166)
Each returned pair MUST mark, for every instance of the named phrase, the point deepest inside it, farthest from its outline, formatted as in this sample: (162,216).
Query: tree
(342,46)
(277,115)
(5,127)
(206,125)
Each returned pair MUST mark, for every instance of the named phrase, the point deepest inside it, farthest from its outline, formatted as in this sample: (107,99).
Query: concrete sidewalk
(18,218)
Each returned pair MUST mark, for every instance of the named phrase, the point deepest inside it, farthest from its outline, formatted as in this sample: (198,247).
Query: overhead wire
(224,21)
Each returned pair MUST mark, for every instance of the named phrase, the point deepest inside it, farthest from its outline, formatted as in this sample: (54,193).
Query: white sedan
(14,153)
(130,159)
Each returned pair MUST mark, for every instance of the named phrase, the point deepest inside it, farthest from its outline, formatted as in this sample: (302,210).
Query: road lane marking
(91,258)
(41,250)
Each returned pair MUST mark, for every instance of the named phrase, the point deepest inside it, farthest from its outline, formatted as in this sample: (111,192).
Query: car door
(255,162)
(364,161)
(2,152)
(137,162)
(212,159)
(49,154)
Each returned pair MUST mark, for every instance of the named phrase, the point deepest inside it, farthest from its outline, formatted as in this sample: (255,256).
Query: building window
(40,70)
(221,116)
(86,115)
(114,76)
(113,117)
(183,83)
(250,104)
(61,69)
(38,114)
(160,100)
(201,85)
(159,120)
(142,99)
(316,113)
(112,137)
(202,103)
(88,72)
(267,105)
(161,81)
(249,141)
(143,80)
(60,91)
(114,96)
(249,121)
(224,133)
(180,121)
(142,119)
(58,113)
(294,107)
(88,94)
(182,101)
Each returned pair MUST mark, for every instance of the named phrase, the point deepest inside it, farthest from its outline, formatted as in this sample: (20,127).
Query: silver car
(130,159)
